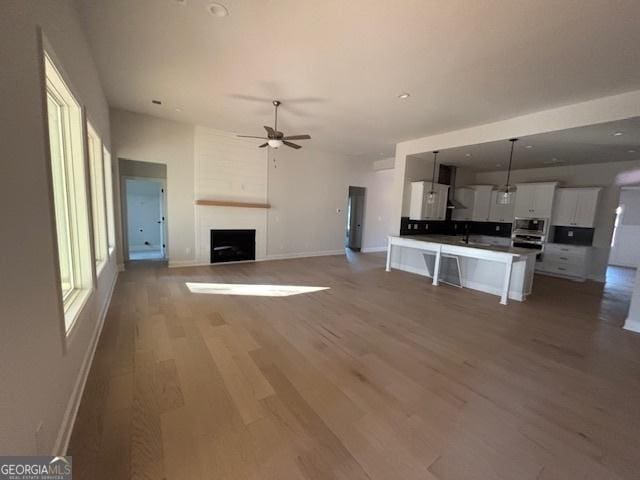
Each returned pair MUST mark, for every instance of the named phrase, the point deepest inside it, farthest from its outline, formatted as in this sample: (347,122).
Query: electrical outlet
(497,228)
(426,226)
(187,250)
(570,234)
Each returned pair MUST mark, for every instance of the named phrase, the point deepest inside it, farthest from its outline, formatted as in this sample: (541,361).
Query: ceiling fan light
(273,143)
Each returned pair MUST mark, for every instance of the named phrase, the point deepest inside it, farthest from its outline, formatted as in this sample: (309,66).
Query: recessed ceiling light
(180,2)
(217,10)
(498,164)
(632,151)
(617,134)
(381,153)
(156,102)
(404,96)
(178,110)
(528,146)
(467,154)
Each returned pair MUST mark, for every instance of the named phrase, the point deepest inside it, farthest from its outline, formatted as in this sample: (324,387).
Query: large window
(108,186)
(96,171)
(69,193)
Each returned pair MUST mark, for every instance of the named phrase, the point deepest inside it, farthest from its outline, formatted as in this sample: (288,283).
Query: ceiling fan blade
(292,145)
(270,131)
(297,137)
(251,136)
(263,145)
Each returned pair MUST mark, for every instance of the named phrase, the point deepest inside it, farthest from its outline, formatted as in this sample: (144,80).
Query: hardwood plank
(380,376)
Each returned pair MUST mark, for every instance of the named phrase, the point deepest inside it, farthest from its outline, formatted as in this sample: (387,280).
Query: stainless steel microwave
(535,226)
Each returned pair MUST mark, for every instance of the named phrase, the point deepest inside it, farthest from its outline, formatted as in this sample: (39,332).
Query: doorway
(355,218)
(145,218)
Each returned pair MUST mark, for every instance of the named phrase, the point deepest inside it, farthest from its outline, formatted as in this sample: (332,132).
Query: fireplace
(233,245)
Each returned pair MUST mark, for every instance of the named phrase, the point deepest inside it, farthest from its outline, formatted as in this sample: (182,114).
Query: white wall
(305,188)
(144,210)
(38,374)
(145,138)
(625,251)
(308,192)
(598,174)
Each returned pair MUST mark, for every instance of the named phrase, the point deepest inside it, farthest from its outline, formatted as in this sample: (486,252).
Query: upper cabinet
(575,207)
(534,200)
(499,212)
(476,200)
(420,209)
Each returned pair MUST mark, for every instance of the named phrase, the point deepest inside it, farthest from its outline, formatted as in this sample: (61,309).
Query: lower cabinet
(570,261)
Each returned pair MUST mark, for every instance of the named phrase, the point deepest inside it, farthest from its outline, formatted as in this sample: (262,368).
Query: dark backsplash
(447,227)
(571,235)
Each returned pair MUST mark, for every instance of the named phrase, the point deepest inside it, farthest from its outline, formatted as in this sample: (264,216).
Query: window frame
(98,201)
(108,191)
(76,207)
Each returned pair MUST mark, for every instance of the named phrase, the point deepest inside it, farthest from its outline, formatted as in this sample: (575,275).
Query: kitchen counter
(501,270)
(458,240)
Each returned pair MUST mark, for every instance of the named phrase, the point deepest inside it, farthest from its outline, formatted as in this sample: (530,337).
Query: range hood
(447,176)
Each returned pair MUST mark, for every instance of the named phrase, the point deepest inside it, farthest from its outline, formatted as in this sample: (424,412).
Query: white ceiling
(575,146)
(338,65)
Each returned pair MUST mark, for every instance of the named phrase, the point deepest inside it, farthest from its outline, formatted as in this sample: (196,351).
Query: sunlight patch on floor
(251,290)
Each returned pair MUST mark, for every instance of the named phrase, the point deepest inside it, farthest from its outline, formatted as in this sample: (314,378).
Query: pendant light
(433,195)
(505,193)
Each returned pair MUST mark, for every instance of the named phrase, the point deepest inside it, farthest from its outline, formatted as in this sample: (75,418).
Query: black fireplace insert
(233,245)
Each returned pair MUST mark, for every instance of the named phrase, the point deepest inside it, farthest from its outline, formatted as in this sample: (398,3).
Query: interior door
(355,217)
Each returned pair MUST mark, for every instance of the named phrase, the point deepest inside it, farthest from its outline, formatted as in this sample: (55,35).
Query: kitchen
(492,216)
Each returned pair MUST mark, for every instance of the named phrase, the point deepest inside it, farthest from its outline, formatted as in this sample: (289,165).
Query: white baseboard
(373,249)
(285,256)
(66,427)
(632,325)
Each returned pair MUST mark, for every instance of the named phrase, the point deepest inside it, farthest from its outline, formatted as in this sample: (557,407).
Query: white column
(388,268)
(504,299)
(436,268)
(633,318)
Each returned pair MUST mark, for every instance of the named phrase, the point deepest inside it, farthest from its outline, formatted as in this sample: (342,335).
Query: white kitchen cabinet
(419,209)
(534,200)
(499,212)
(575,207)
(476,200)
(569,261)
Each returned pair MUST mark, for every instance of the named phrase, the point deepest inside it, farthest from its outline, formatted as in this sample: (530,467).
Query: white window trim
(108,191)
(98,200)
(75,194)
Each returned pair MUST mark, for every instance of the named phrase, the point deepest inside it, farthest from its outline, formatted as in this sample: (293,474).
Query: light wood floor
(382,376)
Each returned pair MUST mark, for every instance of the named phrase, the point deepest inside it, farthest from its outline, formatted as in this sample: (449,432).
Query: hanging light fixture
(433,195)
(505,193)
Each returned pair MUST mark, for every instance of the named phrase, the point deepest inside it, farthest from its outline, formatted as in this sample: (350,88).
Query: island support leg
(388,268)
(436,268)
(504,298)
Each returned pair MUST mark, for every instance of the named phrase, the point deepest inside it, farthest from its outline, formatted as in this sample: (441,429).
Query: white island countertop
(486,258)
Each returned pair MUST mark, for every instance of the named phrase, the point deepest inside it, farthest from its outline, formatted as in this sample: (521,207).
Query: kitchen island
(499,270)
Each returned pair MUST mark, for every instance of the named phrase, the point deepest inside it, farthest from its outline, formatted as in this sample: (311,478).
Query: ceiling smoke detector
(217,10)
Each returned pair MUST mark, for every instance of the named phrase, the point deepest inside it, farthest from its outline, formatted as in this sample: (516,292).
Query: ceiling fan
(274,138)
